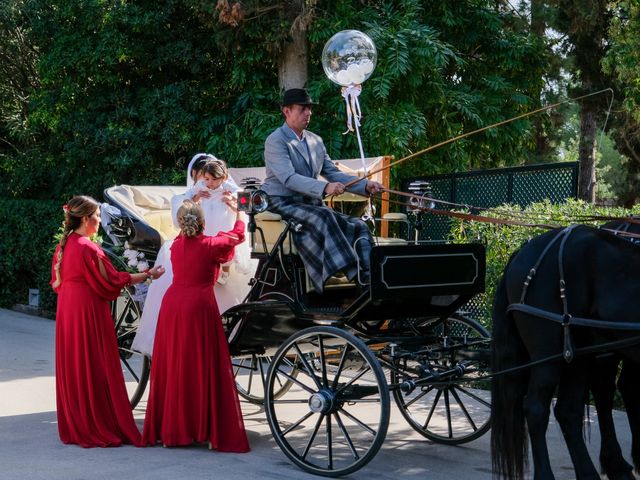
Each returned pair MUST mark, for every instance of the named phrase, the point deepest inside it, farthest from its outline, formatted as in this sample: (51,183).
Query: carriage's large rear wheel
(135,366)
(334,418)
(456,408)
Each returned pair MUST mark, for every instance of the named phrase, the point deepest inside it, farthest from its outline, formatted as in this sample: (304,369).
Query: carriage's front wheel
(135,366)
(334,418)
(455,406)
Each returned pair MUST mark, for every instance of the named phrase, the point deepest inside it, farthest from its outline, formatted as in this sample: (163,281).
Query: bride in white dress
(219,216)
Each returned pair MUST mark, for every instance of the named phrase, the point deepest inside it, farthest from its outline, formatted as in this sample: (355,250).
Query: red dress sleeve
(225,242)
(108,288)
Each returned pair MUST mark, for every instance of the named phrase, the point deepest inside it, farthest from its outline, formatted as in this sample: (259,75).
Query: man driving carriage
(328,242)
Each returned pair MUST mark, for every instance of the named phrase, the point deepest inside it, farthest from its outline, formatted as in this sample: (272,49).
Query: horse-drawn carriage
(314,360)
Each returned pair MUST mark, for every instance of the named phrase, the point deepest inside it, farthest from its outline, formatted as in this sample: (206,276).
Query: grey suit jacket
(290,171)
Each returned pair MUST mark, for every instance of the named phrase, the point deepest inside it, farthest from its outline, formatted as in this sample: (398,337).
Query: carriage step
(324,315)
(324,310)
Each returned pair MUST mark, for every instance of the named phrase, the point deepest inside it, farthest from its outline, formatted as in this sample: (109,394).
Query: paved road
(30,448)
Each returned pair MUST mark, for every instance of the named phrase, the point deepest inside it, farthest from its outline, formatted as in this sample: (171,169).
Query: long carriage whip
(482,129)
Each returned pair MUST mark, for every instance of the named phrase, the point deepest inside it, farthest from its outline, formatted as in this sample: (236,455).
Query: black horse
(603,386)
(579,272)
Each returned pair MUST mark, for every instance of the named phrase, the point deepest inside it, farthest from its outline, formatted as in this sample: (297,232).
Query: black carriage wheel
(320,422)
(456,410)
(250,373)
(135,366)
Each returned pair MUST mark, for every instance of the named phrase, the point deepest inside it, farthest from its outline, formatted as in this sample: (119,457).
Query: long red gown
(193,396)
(91,398)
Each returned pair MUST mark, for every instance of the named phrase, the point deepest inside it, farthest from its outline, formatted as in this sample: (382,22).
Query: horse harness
(566,319)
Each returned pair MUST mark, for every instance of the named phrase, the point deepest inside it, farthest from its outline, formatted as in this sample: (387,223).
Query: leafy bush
(26,247)
(502,240)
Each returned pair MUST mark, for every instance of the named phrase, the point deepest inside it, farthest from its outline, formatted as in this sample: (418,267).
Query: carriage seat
(272,226)
(162,222)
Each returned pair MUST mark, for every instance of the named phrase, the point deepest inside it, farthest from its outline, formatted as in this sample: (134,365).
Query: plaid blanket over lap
(325,241)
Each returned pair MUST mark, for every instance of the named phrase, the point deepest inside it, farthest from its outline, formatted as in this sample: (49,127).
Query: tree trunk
(292,71)
(587,155)
(292,68)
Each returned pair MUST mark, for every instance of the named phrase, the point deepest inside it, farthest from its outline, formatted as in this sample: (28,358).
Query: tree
(125,87)
(130,90)
(444,68)
(295,17)
(585,24)
(623,63)
(18,82)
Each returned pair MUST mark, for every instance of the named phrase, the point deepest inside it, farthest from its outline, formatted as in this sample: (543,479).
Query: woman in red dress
(193,396)
(91,398)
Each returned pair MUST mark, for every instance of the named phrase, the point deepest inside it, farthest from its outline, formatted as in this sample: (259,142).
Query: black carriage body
(414,272)
(407,282)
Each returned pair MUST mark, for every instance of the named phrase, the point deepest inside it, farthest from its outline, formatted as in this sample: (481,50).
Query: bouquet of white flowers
(136,260)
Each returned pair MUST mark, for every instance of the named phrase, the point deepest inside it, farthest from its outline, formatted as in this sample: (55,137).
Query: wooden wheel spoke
(343,358)
(358,422)
(131,371)
(346,436)
(295,425)
(297,382)
(433,408)
(357,377)
(307,367)
(447,407)
(263,376)
(464,409)
(323,365)
(419,396)
(253,360)
(313,436)
(475,397)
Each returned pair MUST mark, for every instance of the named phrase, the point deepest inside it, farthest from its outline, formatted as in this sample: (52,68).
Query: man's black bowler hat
(296,96)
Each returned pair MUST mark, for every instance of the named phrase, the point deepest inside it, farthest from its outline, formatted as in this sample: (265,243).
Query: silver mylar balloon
(349,58)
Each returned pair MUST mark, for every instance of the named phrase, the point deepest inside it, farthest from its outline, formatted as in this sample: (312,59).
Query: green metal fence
(490,188)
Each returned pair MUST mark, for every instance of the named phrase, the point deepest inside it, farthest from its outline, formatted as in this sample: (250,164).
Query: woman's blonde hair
(75,210)
(190,219)
(216,168)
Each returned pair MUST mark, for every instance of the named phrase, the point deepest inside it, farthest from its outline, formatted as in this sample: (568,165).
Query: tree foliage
(126,91)
(623,63)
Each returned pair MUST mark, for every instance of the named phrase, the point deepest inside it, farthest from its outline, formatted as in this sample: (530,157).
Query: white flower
(132,262)
(130,254)
(143,266)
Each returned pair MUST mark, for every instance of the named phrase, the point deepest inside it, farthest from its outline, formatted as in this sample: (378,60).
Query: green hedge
(502,240)
(27,243)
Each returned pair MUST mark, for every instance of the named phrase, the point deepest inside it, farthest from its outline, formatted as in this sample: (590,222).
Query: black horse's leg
(537,407)
(602,384)
(630,389)
(572,395)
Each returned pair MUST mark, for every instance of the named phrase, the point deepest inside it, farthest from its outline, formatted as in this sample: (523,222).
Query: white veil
(191,163)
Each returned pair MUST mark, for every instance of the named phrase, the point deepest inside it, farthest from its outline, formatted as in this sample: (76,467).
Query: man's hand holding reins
(374,187)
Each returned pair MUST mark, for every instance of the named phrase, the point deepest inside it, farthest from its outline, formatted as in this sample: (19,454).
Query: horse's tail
(509,441)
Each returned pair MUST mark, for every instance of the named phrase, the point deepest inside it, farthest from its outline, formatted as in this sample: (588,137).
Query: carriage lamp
(424,190)
(252,202)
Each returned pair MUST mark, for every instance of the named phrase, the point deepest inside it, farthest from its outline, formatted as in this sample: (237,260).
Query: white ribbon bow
(350,95)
